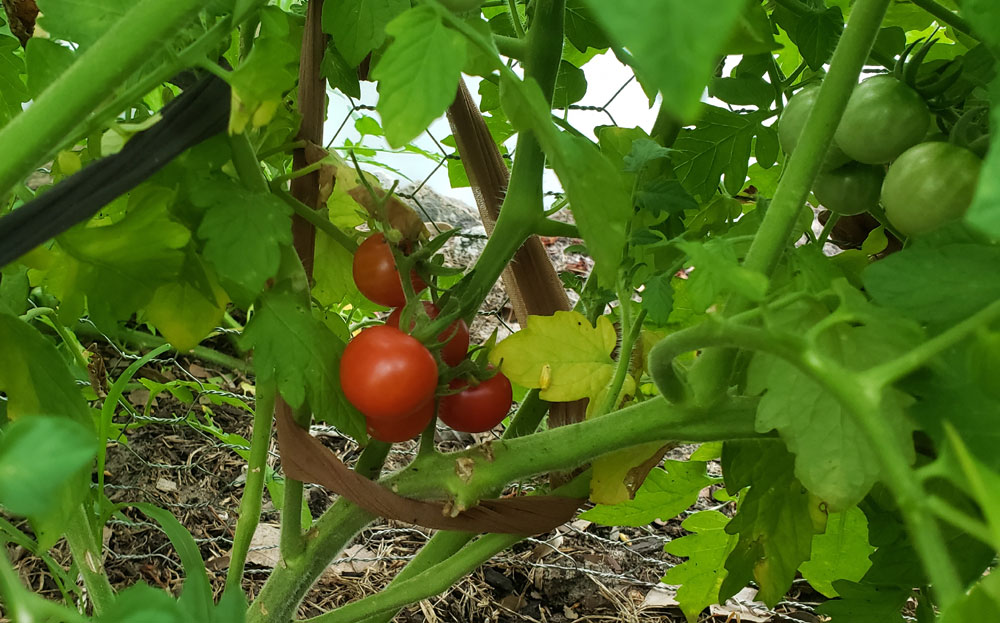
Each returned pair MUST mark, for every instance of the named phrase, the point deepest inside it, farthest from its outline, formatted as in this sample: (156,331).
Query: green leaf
(815,31)
(866,603)
(243,233)
(358,26)
(701,576)
(718,147)
(665,493)
(718,272)
(581,28)
(675,45)
(12,90)
(302,354)
(571,85)
(46,60)
(658,299)
(982,603)
(984,213)
(268,72)
(923,282)
(196,598)
(743,91)
(984,17)
(80,21)
(834,457)
(31,487)
(14,289)
(418,73)
(333,279)
(339,73)
(840,553)
(775,521)
(643,152)
(142,603)
(119,267)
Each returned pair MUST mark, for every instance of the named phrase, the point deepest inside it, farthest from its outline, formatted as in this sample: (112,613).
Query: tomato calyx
(452,342)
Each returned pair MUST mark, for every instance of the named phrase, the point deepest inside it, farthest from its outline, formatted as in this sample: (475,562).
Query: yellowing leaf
(562,354)
(183,313)
(618,475)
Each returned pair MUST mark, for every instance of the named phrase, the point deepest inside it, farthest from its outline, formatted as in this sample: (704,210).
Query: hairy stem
(253,489)
(86,550)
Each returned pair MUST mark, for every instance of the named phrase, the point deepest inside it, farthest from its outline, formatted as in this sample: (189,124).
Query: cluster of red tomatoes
(392,378)
(928,181)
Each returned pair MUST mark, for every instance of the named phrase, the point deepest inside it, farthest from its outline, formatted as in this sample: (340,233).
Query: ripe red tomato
(455,348)
(376,276)
(386,373)
(401,429)
(477,408)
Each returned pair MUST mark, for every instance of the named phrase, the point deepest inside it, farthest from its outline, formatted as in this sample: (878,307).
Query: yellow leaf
(618,475)
(563,355)
(184,315)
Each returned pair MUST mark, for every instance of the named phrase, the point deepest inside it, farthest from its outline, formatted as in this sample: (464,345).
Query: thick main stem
(86,552)
(124,47)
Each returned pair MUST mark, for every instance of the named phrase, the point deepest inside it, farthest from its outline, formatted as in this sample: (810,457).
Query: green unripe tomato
(884,118)
(929,185)
(793,118)
(851,189)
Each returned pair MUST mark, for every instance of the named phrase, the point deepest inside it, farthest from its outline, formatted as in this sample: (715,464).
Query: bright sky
(605,75)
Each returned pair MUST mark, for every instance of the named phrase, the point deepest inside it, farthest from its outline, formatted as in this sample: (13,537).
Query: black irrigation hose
(199,113)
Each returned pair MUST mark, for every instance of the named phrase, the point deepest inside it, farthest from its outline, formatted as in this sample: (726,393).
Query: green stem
(947,17)
(440,547)
(440,577)
(292,543)
(548,227)
(315,218)
(891,371)
(973,527)
(253,489)
(57,573)
(122,49)
(817,134)
(827,228)
(145,340)
(247,164)
(515,18)
(86,550)
(279,181)
(511,47)
(570,446)
(329,535)
(632,330)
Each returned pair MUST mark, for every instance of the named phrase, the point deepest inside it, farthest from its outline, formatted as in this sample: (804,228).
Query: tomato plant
(929,185)
(851,189)
(455,337)
(476,408)
(375,273)
(884,118)
(846,403)
(395,430)
(385,373)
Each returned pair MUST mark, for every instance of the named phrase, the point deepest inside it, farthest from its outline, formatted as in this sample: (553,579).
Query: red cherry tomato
(376,276)
(401,429)
(386,373)
(477,408)
(454,350)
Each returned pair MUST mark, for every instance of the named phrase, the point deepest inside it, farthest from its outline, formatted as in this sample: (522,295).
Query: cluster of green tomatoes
(884,152)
